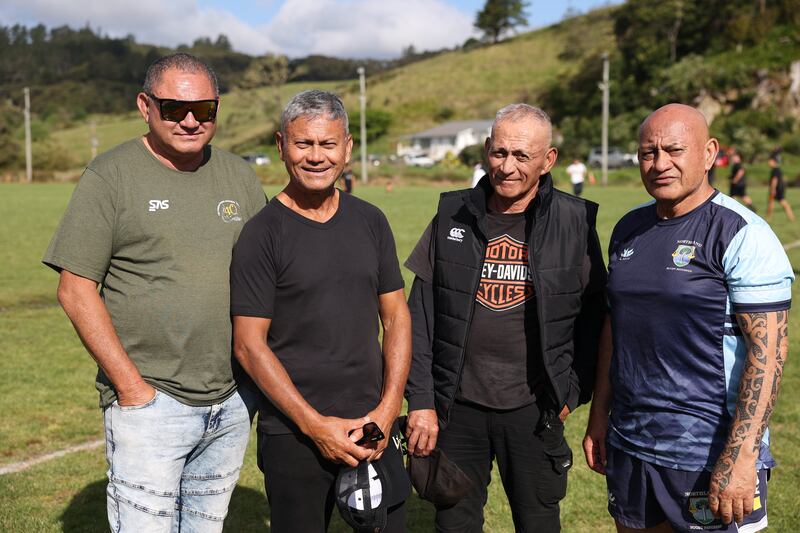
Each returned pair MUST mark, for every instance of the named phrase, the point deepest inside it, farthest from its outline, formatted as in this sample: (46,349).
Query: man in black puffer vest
(507,307)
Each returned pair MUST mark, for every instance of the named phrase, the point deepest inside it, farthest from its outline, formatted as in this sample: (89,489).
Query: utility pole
(94,142)
(363,99)
(28,158)
(604,142)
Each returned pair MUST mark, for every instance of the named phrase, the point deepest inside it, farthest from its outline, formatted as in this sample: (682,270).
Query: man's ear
(711,150)
(143,103)
(279,144)
(550,158)
(349,148)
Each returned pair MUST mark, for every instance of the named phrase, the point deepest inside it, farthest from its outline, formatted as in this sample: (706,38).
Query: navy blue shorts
(643,495)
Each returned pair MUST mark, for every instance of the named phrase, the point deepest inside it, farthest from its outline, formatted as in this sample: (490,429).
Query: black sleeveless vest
(562,231)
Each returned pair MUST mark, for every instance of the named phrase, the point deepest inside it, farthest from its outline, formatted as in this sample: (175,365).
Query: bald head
(693,121)
(675,153)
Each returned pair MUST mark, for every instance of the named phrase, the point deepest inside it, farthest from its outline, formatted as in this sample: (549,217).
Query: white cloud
(345,28)
(366,28)
(159,22)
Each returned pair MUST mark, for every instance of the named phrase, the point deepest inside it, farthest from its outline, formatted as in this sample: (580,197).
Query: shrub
(472,154)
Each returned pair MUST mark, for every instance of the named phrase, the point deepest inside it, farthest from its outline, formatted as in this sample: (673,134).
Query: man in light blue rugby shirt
(699,289)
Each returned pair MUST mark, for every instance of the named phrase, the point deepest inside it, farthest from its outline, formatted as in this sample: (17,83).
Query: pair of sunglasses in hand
(372,433)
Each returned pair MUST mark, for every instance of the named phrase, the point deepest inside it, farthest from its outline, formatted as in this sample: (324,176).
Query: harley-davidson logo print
(506,279)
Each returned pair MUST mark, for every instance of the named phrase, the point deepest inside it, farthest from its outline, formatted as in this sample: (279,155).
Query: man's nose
(189,121)
(315,154)
(508,166)
(662,161)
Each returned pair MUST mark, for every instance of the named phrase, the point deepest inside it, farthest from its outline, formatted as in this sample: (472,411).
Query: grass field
(49,403)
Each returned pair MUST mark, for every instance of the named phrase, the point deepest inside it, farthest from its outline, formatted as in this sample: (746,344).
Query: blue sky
(343,28)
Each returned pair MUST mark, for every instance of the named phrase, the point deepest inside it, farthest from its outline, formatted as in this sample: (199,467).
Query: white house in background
(448,137)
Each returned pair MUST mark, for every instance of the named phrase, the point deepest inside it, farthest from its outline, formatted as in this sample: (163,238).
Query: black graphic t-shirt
(320,284)
(502,366)
(502,363)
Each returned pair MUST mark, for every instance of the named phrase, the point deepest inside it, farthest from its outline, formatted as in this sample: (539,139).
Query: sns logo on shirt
(505,279)
(156,205)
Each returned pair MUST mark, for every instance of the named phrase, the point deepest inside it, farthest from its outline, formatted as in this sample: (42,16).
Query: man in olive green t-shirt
(153,223)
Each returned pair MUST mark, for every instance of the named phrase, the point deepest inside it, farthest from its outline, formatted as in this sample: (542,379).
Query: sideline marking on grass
(791,245)
(13,468)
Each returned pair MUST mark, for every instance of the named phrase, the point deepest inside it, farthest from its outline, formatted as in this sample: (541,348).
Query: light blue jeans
(172,467)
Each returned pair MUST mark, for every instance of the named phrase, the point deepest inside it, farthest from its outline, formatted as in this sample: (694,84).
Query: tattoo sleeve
(767,345)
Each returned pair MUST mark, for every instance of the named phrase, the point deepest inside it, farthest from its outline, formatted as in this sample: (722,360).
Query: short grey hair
(518,112)
(313,103)
(180,61)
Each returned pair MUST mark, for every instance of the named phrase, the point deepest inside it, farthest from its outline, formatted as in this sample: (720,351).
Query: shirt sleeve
(420,261)
(757,270)
(83,241)
(389,277)
(253,271)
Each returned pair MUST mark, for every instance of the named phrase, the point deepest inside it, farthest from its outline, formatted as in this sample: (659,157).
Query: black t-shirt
(735,170)
(777,174)
(502,365)
(319,283)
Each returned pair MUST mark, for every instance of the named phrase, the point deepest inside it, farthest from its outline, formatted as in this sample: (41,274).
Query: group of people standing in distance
(512,322)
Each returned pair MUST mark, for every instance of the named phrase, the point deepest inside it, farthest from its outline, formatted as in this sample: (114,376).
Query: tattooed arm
(733,480)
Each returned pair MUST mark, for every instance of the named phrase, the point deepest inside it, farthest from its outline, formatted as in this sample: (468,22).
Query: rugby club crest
(505,279)
(683,255)
(700,510)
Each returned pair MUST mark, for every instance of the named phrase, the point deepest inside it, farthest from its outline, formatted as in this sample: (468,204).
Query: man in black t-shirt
(777,189)
(739,181)
(507,307)
(311,275)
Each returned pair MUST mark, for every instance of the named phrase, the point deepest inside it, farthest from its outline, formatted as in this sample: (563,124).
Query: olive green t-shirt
(159,242)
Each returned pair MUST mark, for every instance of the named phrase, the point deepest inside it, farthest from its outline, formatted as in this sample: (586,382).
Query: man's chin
(316,183)
(190,146)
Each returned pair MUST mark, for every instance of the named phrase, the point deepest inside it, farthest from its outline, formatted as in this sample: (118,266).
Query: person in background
(739,181)
(477,173)
(577,175)
(347,177)
(777,188)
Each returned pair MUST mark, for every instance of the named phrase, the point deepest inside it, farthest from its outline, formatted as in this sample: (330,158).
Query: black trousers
(300,486)
(532,456)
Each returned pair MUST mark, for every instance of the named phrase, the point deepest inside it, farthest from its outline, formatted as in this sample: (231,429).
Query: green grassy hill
(463,84)
(474,84)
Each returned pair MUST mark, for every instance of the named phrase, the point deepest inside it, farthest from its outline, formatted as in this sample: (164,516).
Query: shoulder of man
(231,160)
(457,197)
(367,210)
(111,164)
(563,200)
(632,219)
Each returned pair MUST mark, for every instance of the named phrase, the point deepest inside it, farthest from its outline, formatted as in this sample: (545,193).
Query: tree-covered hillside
(730,58)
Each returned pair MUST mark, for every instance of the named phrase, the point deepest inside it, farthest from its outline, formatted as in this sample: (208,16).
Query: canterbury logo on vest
(456,234)
(505,279)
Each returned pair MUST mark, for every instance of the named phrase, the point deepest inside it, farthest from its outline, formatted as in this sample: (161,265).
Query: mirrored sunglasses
(176,110)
